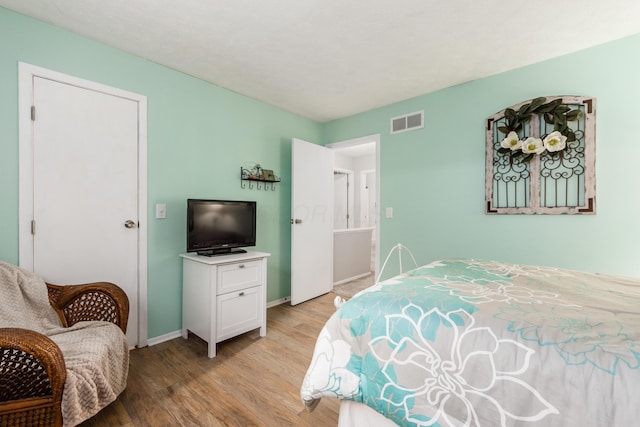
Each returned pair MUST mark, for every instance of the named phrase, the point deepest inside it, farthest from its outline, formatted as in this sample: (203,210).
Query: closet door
(85,189)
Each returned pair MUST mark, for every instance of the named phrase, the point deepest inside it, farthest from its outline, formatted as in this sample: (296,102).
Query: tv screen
(220,226)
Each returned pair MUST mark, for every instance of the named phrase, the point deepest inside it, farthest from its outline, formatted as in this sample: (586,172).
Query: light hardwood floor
(252,381)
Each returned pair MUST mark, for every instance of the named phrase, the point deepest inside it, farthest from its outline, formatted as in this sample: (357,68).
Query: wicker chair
(32,368)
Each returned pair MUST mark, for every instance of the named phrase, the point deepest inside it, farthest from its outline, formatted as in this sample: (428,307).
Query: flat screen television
(218,227)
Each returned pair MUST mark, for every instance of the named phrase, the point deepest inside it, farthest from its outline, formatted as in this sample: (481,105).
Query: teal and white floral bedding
(463,342)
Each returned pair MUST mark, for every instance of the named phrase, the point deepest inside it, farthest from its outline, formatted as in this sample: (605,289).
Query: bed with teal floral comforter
(464,342)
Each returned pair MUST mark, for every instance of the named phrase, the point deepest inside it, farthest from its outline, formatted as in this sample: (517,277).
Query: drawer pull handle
(241,294)
(241,266)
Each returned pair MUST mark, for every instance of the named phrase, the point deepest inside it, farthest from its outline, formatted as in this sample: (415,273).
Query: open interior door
(311,221)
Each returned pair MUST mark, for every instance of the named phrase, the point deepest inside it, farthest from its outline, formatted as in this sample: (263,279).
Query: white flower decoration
(532,145)
(328,371)
(511,141)
(469,370)
(555,141)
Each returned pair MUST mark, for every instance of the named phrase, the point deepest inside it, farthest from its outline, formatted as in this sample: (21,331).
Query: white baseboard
(349,279)
(164,338)
(278,302)
(176,334)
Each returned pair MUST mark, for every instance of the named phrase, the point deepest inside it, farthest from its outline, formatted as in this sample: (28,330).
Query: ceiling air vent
(407,122)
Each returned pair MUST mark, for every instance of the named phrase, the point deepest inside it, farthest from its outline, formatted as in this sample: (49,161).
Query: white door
(85,188)
(312,221)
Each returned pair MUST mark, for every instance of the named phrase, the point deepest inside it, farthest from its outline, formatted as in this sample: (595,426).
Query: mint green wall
(434,177)
(198,137)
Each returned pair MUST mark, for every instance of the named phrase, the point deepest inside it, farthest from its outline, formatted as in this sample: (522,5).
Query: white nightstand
(224,296)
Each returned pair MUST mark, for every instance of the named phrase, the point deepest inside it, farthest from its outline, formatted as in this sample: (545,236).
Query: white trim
(344,171)
(351,177)
(362,182)
(349,279)
(364,140)
(177,334)
(356,141)
(25,162)
(163,338)
(142,222)
(26,74)
(278,301)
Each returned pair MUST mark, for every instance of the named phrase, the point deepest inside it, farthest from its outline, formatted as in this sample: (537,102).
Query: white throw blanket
(96,354)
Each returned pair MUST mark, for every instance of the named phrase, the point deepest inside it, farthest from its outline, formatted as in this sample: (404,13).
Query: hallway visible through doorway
(349,289)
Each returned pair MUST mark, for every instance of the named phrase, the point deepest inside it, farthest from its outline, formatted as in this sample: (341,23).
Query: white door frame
(367,202)
(26,74)
(358,141)
(350,193)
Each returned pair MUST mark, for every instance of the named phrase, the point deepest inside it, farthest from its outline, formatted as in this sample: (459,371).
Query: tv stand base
(223,252)
(223,297)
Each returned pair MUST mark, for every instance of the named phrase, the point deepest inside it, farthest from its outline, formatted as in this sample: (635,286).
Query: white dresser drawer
(239,312)
(240,275)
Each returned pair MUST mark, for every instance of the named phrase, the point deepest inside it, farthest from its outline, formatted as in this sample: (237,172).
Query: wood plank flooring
(252,381)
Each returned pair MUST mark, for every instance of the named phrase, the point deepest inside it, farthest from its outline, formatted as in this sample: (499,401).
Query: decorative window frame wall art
(540,157)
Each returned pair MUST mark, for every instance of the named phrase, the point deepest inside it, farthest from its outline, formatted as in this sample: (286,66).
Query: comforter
(465,342)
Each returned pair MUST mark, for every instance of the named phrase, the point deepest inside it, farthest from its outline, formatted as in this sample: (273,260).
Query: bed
(482,343)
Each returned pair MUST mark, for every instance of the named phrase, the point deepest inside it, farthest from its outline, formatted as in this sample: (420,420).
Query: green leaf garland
(554,113)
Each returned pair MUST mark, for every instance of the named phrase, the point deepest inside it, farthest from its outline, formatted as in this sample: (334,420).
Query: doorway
(82,185)
(356,253)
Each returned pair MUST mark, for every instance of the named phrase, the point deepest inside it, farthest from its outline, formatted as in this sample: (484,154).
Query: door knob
(130,224)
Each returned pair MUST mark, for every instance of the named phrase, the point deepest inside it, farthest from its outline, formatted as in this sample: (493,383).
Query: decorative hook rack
(263,178)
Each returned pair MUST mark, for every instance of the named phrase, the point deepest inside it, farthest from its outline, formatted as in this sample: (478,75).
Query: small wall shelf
(261,177)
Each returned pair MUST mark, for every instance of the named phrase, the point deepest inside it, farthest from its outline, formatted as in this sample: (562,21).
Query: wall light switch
(161,210)
(389,213)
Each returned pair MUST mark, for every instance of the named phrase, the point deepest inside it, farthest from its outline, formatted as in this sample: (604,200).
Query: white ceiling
(327,59)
